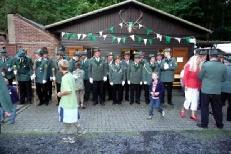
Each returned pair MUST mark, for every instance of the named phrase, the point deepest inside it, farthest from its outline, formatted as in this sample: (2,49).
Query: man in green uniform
(117,80)
(107,86)
(23,72)
(97,75)
(85,66)
(167,69)
(148,68)
(125,63)
(134,78)
(212,74)
(73,61)
(41,68)
(6,66)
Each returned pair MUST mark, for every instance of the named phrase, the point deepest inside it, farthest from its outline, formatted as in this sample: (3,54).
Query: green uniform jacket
(212,74)
(167,75)
(58,74)
(97,69)
(85,67)
(116,74)
(5,100)
(135,73)
(49,68)
(78,74)
(147,73)
(226,85)
(126,67)
(41,68)
(24,68)
(7,67)
(72,64)
(107,67)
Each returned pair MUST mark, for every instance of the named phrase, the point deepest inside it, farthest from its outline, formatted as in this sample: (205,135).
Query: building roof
(123,3)
(42,27)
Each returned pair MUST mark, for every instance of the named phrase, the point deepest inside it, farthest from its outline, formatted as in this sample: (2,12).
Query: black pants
(117,93)
(87,86)
(98,92)
(135,91)
(107,89)
(10,81)
(58,86)
(216,105)
(42,93)
(168,87)
(224,97)
(25,91)
(126,88)
(49,89)
(147,93)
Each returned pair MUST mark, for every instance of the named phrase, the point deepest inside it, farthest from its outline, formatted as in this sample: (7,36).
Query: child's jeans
(154,103)
(13,114)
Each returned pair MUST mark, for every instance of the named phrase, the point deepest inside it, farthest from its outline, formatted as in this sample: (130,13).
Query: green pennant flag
(187,39)
(167,39)
(150,41)
(89,36)
(113,39)
(72,36)
(149,31)
(93,38)
(124,40)
(66,36)
(111,29)
(140,39)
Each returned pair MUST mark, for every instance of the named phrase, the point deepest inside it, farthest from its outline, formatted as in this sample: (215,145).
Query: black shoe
(228,119)
(95,103)
(137,102)
(102,103)
(40,104)
(170,104)
(131,103)
(126,99)
(220,126)
(201,126)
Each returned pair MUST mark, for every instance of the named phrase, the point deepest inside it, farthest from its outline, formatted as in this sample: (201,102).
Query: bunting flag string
(151,35)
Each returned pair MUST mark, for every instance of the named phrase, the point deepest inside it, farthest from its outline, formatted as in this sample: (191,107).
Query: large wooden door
(182,56)
(72,49)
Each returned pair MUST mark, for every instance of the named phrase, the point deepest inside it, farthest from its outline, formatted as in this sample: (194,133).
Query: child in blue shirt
(156,92)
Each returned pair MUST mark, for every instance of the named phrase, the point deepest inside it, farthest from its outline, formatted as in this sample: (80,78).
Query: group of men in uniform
(113,76)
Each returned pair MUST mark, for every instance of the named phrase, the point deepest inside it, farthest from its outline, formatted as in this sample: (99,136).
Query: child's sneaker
(149,117)
(163,113)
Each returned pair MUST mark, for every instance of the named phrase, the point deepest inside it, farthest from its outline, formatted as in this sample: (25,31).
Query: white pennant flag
(145,41)
(132,37)
(101,33)
(63,33)
(84,36)
(178,39)
(118,39)
(79,36)
(104,37)
(192,40)
(121,25)
(140,26)
(159,37)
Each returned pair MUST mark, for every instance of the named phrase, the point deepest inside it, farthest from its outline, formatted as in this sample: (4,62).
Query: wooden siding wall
(103,20)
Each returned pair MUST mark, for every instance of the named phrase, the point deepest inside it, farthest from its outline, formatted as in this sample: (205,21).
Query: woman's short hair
(63,64)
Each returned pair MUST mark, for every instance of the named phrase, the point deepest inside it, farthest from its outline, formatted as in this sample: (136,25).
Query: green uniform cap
(151,55)
(213,52)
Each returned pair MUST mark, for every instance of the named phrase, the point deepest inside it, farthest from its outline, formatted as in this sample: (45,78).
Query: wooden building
(107,29)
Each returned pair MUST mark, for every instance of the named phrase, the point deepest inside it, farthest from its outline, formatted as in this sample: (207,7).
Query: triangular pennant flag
(140,26)
(113,39)
(167,39)
(63,33)
(118,39)
(89,35)
(84,36)
(149,31)
(132,37)
(178,39)
(150,41)
(66,35)
(101,33)
(159,37)
(93,38)
(124,40)
(140,39)
(111,29)
(145,41)
(187,39)
(121,25)
(79,36)
(192,40)
(104,37)
(73,36)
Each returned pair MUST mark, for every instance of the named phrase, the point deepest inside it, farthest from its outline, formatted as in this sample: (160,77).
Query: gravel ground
(205,141)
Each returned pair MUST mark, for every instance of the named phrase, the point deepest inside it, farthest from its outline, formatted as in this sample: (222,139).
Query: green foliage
(211,14)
